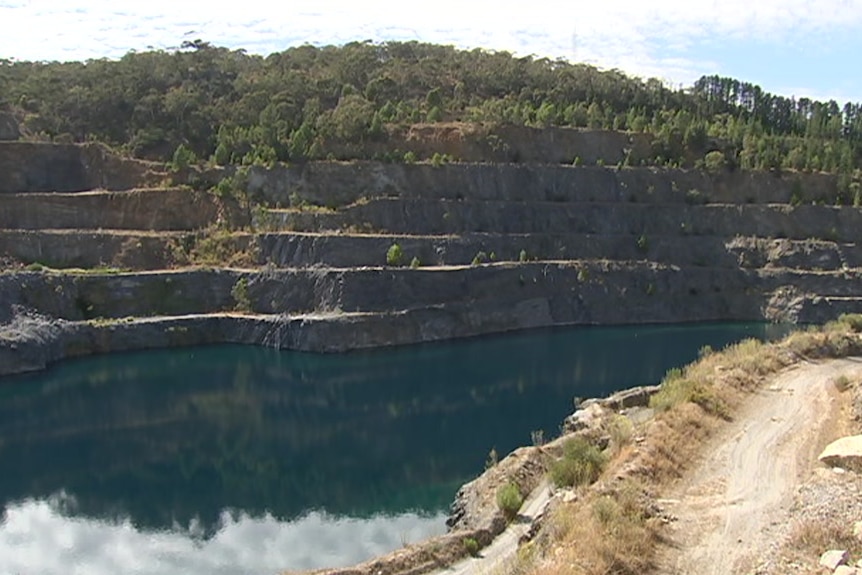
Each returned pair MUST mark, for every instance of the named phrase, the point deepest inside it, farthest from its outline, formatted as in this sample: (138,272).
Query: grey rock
(8,127)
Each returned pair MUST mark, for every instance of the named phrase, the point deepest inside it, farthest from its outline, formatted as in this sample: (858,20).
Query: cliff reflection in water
(200,442)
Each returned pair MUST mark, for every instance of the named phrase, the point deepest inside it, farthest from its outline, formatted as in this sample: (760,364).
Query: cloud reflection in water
(41,537)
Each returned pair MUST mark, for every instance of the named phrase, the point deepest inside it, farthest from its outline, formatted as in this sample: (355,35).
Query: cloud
(41,537)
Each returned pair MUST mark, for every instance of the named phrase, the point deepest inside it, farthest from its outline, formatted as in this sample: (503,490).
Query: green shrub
(471,546)
(852,320)
(409,158)
(583,275)
(394,255)
(842,383)
(183,157)
(522,257)
(509,500)
(642,243)
(715,161)
(676,388)
(415,263)
(34,267)
(239,292)
(479,258)
(581,463)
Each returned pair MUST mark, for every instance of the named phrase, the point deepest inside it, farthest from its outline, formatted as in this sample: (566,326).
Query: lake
(239,459)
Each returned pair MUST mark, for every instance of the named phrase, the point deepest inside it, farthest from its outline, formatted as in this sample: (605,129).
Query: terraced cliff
(108,254)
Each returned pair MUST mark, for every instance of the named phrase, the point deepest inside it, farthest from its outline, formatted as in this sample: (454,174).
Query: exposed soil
(736,507)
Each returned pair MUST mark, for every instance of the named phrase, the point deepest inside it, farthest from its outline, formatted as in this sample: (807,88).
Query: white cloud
(38,537)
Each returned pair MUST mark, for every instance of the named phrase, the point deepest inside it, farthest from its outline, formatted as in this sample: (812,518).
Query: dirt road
(734,507)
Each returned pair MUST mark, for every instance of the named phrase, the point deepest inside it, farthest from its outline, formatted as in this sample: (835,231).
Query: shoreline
(32,342)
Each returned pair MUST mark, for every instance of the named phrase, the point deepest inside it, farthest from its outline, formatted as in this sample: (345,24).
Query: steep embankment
(333,256)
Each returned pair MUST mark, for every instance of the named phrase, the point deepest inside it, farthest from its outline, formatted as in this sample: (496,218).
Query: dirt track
(735,505)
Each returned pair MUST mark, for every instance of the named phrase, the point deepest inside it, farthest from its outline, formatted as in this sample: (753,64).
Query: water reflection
(43,537)
(175,437)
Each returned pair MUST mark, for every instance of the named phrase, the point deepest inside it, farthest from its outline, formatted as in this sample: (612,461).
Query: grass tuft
(581,464)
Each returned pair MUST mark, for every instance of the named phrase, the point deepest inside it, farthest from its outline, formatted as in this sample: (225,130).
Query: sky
(796,48)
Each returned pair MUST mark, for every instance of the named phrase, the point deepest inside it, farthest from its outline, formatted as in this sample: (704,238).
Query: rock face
(8,127)
(486,248)
(845,453)
(43,167)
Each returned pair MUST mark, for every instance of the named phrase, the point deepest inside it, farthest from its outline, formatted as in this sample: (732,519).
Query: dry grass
(811,538)
(610,530)
(216,247)
(611,533)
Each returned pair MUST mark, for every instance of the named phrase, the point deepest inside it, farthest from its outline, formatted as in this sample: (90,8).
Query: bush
(415,263)
(677,388)
(522,257)
(509,500)
(852,320)
(471,546)
(581,464)
(239,292)
(183,157)
(715,161)
(480,258)
(394,255)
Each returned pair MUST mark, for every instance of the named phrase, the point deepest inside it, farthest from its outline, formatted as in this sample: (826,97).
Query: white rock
(857,533)
(833,558)
(844,570)
(845,452)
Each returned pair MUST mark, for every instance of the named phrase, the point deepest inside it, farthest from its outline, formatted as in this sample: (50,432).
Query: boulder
(8,127)
(833,558)
(845,452)
(845,570)
(590,416)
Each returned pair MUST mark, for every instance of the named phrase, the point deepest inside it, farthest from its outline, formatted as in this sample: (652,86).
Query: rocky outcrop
(150,209)
(335,184)
(9,131)
(845,453)
(46,167)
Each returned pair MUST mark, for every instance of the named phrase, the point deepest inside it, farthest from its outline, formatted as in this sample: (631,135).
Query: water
(233,459)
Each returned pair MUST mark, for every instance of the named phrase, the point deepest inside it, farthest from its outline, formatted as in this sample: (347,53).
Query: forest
(204,102)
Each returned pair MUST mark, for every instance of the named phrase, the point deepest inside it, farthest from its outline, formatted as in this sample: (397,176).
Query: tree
(715,161)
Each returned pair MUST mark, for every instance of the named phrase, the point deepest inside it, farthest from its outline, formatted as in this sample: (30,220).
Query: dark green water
(235,459)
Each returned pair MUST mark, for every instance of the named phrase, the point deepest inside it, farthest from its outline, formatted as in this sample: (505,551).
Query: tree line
(228,106)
